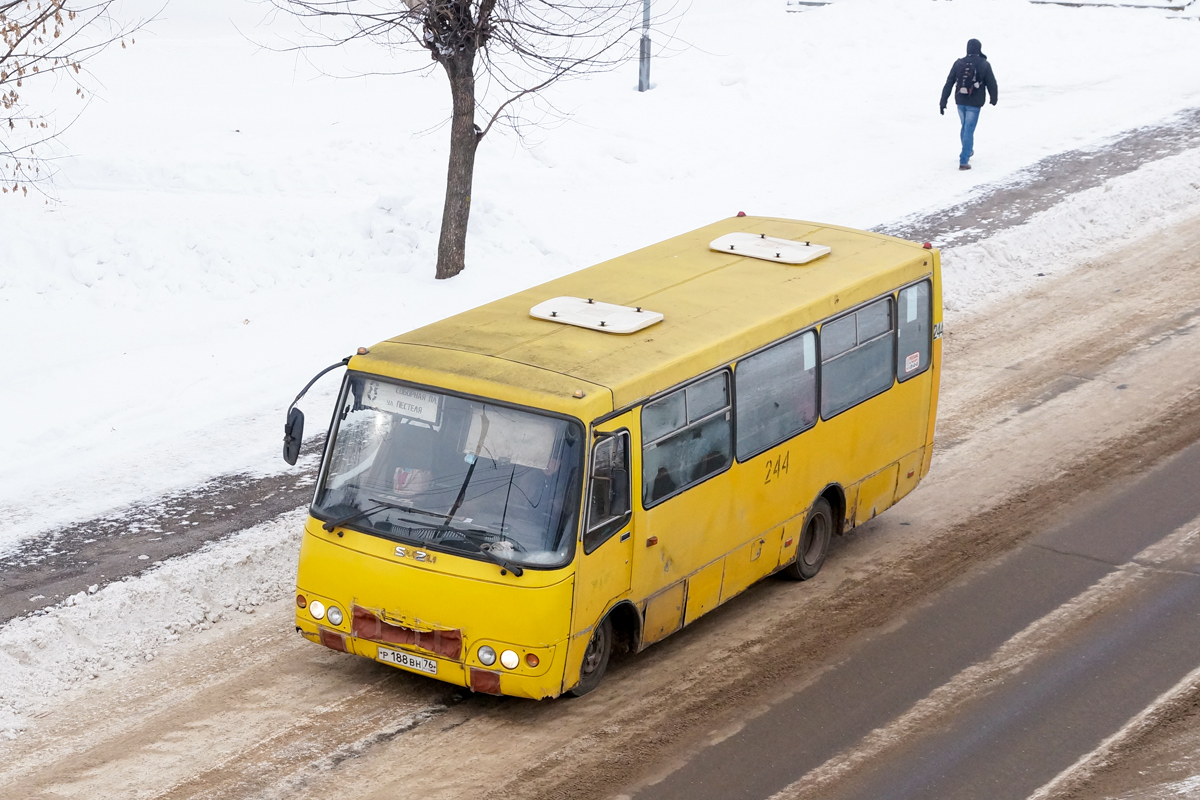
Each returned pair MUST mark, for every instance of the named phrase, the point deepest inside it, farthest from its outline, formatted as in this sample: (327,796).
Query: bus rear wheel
(595,659)
(814,542)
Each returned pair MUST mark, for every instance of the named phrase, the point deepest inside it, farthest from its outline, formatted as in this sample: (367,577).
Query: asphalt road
(999,683)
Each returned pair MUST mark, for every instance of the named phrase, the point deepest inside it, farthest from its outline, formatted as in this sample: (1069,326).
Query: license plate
(402,659)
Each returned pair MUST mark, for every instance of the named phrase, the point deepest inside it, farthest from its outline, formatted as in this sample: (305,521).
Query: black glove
(943,110)
(993,102)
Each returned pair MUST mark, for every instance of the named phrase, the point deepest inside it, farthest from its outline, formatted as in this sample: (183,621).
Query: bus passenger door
(602,574)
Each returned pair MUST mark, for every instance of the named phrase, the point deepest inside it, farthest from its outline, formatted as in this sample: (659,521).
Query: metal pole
(644,59)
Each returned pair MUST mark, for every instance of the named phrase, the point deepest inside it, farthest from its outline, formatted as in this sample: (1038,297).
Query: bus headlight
(509,659)
(487,656)
(334,615)
(317,609)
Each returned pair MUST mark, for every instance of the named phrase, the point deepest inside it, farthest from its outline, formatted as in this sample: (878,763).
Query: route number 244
(777,466)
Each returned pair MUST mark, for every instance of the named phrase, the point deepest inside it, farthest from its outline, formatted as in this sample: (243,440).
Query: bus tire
(595,659)
(814,542)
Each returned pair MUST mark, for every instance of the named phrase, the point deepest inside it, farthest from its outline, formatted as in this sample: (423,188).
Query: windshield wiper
(477,535)
(379,505)
(462,492)
(503,562)
(401,507)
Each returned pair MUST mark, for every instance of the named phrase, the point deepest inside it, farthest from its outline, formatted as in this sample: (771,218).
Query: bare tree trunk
(464,139)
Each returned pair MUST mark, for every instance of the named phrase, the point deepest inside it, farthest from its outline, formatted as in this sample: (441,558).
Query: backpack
(968,78)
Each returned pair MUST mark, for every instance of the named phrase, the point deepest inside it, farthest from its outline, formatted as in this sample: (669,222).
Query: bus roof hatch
(595,315)
(769,248)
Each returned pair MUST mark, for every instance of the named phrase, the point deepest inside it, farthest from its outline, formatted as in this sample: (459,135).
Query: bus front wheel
(814,542)
(595,659)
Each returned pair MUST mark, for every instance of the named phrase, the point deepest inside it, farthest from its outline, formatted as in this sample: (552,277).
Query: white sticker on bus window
(513,436)
(912,362)
(810,351)
(910,305)
(403,400)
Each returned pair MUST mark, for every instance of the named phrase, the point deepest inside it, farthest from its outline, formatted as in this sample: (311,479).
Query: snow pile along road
(1081,227)
(52,657)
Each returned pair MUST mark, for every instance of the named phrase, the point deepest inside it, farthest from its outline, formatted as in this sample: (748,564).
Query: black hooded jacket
(985,78)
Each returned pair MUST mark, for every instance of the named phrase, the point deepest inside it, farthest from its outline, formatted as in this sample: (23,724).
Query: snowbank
(1078,229)
(46,658)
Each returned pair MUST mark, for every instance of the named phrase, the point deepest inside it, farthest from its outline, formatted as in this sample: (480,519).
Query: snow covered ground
(232,218)
(231,221)
(110,630)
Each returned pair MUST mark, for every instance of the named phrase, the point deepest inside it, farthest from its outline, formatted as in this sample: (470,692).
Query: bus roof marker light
(595,315)
(362,351)
(770,248)
(579,394)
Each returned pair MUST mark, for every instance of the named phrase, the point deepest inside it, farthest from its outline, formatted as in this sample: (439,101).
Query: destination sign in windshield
(403,400)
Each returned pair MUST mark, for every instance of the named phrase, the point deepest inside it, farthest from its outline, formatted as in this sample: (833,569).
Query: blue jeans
(969,115)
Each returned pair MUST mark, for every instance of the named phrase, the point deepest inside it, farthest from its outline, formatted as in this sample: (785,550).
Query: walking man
(969,78)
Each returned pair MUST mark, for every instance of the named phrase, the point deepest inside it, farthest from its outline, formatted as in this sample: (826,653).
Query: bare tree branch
(42,44)
(517,48)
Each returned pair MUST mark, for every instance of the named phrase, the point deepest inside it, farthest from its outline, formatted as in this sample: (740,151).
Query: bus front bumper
(536,683)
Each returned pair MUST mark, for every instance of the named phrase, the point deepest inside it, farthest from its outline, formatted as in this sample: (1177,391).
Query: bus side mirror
(293,434)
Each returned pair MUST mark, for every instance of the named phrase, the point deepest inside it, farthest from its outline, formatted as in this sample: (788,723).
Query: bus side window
(608,495)
(857,354)
(913,329)
(776,394)
(694,445)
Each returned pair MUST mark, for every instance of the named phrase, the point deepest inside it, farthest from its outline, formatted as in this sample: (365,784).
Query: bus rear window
(913,328)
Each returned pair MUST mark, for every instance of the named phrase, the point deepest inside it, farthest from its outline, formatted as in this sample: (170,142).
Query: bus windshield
(450,473)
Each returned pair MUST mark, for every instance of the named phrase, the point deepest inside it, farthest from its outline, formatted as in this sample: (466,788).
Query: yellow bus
(510,494)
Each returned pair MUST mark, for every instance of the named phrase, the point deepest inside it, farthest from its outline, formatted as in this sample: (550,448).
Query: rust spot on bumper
(366,624)
(485,681)
(333,640)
